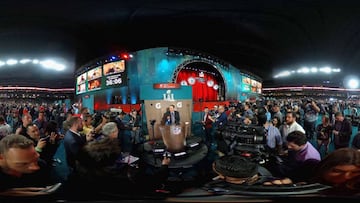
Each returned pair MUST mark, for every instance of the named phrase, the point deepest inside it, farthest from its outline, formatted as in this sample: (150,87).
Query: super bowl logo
(168,96)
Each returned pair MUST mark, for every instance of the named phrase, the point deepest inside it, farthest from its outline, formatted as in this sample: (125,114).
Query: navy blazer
(72,144)
(166,114)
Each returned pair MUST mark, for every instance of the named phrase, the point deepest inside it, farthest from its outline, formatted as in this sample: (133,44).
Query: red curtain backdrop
(202,88)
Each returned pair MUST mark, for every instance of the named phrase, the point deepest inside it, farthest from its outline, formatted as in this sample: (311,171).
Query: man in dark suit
(207,122)
(342,131)
(171,116)
(74,141)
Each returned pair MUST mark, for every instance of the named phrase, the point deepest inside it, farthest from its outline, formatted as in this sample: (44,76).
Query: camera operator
(234,114)
(100,119)
(135,123)
(124,132)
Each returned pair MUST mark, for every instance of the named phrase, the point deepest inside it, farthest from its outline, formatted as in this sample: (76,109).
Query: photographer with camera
(47,145)
(311,115)
(97,121)
(87,124)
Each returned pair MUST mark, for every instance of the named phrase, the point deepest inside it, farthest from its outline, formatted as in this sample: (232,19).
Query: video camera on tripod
(245,140)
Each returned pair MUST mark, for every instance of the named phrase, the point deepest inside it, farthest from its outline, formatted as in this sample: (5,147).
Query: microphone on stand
(152,123)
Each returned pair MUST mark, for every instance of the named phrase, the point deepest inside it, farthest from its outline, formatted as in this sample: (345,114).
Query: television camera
(245,140)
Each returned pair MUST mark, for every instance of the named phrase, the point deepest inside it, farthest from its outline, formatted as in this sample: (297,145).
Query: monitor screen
(94,77)
(108,75)
(246,80)
(81,83)
(114,67)
(115,74)
(94,73)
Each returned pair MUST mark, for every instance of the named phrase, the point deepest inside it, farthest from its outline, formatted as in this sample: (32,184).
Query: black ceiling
(260,36)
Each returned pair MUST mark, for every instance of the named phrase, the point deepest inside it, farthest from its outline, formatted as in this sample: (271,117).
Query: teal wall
(89,103)
(154,65)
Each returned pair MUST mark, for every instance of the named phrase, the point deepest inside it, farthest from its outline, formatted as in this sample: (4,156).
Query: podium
(155,109)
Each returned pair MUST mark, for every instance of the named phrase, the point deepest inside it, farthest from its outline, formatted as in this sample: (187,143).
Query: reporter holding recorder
(22,173)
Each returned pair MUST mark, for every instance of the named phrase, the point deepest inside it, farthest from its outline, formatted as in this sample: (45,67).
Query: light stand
(152,123)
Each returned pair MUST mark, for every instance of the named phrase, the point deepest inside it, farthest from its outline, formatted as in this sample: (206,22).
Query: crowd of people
(293,135)
(93,151)
(95,146)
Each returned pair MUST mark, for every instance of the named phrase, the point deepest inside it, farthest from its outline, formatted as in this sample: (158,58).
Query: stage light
(23,61)
(124,56)
(305,70)
(353,83)
(325,69)
(11,62)
(51,64)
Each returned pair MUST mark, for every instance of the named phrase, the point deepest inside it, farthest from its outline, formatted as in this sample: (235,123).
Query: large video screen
(251,85)
(115,74)
(109,75)
(94,79)
(81,83)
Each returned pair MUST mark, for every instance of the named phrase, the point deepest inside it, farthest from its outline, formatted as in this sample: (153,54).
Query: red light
(125,56)
(246,154)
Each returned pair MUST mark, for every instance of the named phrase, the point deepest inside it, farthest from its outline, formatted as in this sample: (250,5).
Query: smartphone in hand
(47,138)
(51,188)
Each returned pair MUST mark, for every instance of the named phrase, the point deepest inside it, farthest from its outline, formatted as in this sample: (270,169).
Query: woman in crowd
(323,132)
(340,169)
(276,122)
